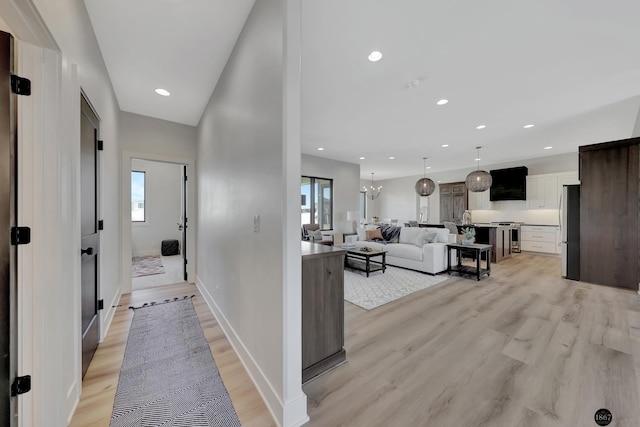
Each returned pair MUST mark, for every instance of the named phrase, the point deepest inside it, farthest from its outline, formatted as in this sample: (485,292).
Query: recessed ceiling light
(481,126)
(392,158)
(439,182)
(442,101)
(375,56)
(528,126)
(362,158)
(320,149)
(548,148)
(444,145)
(477,159)
(428,167)
(163,92)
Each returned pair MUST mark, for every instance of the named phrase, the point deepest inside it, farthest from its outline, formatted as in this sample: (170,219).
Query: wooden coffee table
(362,260)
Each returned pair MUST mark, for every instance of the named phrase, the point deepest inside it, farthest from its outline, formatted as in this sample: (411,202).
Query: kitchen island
(498,236)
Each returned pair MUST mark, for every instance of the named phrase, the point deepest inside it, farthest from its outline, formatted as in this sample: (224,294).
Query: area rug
(146,265)
(379,289)
(168,375)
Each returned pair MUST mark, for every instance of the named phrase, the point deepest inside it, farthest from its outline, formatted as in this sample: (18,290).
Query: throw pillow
(362,234)
(374,234)
(422,239)
(433,237)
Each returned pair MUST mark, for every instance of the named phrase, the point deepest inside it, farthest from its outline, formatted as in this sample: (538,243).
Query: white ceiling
(570,67)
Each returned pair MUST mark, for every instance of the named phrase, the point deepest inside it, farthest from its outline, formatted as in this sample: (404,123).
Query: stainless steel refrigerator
(570,228)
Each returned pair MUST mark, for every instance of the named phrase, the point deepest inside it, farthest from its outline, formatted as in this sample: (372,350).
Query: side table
(478,250)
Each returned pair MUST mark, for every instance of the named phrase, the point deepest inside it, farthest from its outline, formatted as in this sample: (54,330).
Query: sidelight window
(137,196)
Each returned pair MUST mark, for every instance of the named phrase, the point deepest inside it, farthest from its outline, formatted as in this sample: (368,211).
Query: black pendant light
(478,180)
(425,186)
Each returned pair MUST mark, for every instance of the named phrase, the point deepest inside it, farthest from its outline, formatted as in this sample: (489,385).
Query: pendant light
(425,186)
(478,180)
(373,192)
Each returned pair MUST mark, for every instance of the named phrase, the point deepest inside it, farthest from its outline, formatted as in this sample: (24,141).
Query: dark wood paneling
(609,214)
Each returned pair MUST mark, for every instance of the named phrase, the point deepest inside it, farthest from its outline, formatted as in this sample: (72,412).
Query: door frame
(125,274)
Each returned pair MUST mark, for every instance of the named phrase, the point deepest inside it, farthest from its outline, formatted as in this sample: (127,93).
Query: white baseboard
(286,414)
(108,318)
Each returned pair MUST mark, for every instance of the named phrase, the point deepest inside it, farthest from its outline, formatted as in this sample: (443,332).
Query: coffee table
(362,260)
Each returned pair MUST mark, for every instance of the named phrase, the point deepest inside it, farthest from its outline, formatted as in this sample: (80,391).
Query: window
(137,196)
(317,202)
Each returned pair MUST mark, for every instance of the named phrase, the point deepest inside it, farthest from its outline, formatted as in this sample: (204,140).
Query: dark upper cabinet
(453,201)
(609,210)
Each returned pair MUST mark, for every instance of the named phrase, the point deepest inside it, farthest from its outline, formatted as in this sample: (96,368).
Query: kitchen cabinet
(322,309)
(542,191)
(609,206)
(539,238)
(479,201)
(453,201)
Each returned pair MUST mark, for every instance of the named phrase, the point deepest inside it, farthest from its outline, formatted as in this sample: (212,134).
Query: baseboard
(285,414)
(108,318)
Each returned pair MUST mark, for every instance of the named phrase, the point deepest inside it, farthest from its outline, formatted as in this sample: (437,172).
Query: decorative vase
(467,242)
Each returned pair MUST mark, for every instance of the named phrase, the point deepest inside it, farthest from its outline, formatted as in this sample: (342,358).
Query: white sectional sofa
(429,258)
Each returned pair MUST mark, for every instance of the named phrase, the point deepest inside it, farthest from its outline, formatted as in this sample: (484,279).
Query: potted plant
(375,219)
(469,235)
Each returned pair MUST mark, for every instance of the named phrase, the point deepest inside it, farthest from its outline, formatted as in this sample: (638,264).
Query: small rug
(146,265)
(168,375)
(378,289)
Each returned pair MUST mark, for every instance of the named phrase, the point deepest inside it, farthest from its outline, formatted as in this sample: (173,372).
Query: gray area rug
(146,265)
(168,376)
(379,289)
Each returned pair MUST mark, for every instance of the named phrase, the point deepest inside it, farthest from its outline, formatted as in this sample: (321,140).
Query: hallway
(100,384)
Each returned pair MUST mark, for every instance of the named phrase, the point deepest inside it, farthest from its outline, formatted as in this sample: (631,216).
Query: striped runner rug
(168,375)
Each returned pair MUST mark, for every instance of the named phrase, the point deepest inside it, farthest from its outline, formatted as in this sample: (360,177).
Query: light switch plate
(256,224)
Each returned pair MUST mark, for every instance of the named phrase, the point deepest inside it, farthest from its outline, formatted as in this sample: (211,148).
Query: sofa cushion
(401,250)
(410,234)
(422,239)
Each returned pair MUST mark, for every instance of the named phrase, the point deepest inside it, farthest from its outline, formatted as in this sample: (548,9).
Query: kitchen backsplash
(515,211)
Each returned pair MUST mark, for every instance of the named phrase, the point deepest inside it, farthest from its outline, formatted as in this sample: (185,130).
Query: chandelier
(478,180)
(425,186)
(373,192)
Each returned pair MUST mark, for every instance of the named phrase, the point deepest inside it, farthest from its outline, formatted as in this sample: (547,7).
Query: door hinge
(101,224)
(20,85)
(20,235)
(100,145)
(186,178)
(21,385)
(186,261)
(101,304)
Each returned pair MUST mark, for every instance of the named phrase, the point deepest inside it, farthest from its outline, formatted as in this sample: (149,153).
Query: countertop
(316,250)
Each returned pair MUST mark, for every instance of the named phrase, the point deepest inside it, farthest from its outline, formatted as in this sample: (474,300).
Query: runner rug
(379,289)
(168,375)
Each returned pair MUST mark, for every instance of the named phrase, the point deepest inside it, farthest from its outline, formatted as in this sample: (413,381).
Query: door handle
(88,251)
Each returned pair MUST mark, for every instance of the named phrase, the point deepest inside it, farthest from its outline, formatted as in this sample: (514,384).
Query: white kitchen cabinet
(479,201)
(540,238)
(542,191)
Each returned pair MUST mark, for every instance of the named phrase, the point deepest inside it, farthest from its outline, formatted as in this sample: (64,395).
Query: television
(509,184)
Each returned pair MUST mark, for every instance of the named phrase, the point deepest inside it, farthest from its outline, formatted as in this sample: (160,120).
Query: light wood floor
(523,347)
(100,382)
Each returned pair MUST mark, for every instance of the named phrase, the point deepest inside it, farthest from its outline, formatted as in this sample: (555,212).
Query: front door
(89,172)
(8,270)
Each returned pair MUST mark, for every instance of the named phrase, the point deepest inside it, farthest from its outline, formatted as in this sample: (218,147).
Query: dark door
(8,270)
(89,170)
(184,219)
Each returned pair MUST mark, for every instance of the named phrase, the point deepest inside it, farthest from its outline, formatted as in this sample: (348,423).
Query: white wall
(49,278)
(398,198)
(142,134)
(163,196)
(346,186)
(248,166)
